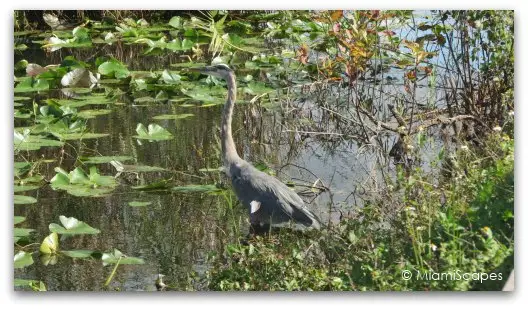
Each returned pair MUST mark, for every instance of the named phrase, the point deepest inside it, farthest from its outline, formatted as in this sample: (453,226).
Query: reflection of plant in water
(373,85)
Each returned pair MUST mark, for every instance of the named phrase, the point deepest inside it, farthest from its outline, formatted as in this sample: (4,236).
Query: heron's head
(218,70)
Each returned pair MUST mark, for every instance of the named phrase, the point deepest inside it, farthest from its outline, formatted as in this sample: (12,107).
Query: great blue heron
(268,200)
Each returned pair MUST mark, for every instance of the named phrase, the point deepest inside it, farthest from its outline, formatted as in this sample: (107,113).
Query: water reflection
(177,231)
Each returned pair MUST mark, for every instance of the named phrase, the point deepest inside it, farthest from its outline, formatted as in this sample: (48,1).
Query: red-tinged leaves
(411,75)
(302,54)
(336,15)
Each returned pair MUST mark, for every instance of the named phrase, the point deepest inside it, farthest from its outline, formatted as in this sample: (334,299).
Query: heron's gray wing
(275,198)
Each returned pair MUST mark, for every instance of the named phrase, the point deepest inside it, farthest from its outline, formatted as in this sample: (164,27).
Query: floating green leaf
(125,168)
(78,183)
(176,22)
(154,132)
(23,259)
(117,256)
(92,113)
(139,204)
(50,244)
(30,85)
(35,285)
(22,199)
(172,116)
(24,188)
(196,188)
(72,226)
(114,68)
(170,78)
(21,233)
(105,159)
(25,142)
(19,219)
(80,253)
(79,136)
(161,185)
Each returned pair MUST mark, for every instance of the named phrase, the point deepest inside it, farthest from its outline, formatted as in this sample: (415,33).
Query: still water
(177,231)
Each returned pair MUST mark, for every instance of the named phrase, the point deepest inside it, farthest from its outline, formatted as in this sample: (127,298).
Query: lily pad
(19,233)
(105,159)
(24,188)
(139,204)
(170,78)
(72,226)
(161,185)
(196,188)
(78,183)
(17,99)
(117,256)
(35,285)
(19,219)
(30,85)
(50,244)
(172,116)
(79,136)
(114,68)
(92,113)
(154,132)
(80,253)
(25,142)
(23,259)
(124,168)
(23,199)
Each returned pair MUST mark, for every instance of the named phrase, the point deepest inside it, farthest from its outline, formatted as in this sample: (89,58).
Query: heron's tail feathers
(307,218)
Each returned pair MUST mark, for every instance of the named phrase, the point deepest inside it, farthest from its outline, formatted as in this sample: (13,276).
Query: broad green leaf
(196,188)
(170,78)
(79,136)
(23,259)
(118,256)
(161,185)
(105,159)
(50,244)
(19,219)
(92,113)
(35,285)
(114,68)
(154,132)
(25,142)
(24,188)
(125,168)
(72,226)
(23,199)
(176,22)
(30,85)
(78,183)
(79,253)
(21,232)
(139,204)
(172,116)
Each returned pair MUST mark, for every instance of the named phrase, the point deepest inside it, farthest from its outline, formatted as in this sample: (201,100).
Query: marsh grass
(462,224)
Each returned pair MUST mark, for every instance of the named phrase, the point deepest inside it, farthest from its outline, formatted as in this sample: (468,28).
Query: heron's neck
(228,145)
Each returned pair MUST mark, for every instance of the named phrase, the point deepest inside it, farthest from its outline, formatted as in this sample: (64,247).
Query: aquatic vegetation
(78,183)
(375,117)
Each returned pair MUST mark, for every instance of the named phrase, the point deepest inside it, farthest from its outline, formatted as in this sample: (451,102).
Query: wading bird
(268,200)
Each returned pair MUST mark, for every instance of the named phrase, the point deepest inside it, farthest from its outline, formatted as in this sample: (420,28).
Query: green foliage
(462,226)
(154,132)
